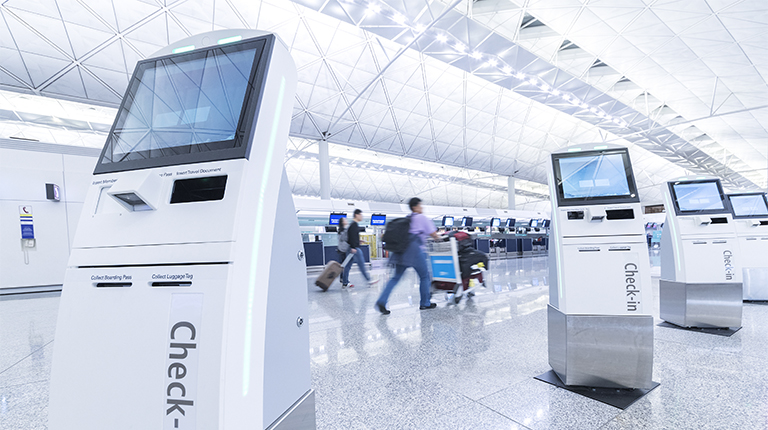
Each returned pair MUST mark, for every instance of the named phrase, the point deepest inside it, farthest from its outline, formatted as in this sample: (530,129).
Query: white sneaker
(372,283)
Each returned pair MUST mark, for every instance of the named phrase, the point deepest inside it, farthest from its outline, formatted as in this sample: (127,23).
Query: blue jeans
(415,258)
(358,258)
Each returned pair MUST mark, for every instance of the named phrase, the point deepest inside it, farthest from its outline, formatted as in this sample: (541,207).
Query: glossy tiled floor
(454,367)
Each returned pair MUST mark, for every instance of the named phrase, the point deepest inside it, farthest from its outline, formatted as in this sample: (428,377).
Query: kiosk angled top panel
(189,107)
(594,177)
(698,197)
(749,205)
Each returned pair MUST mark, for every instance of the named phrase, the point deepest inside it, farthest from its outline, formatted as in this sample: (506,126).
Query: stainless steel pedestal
(701,305)
(756,283)
(300,416)
(609,351)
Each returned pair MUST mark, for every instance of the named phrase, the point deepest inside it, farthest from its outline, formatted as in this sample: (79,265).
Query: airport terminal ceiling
(487,86)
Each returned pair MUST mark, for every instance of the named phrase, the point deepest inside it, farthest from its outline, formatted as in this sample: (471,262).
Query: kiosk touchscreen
(750,215)
(599,314)
(182,308)
(701,279)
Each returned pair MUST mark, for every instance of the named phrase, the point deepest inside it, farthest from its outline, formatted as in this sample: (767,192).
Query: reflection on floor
(458,366)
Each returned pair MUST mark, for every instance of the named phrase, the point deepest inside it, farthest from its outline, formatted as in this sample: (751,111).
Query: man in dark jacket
(353,238)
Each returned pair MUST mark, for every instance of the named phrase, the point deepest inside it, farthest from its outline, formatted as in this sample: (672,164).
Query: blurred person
(343,248)
(353,238)
(414,256)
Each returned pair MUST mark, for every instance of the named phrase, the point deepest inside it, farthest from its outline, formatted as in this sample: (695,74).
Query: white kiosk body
(750,215)
(600,326)
(700,283)
(184,299)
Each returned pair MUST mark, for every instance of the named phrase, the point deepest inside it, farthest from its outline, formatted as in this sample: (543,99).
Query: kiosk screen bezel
(726,204)
(733,209)
(632,197)
(238,147)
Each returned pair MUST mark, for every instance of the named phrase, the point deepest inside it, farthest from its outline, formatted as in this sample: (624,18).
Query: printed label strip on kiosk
(701,276)
(181,308)
(750,216)
(600,327)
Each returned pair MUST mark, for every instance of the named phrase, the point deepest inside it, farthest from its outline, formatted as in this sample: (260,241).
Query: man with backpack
(406,240)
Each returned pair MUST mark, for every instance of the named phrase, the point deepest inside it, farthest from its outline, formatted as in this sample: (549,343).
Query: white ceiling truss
(466,84)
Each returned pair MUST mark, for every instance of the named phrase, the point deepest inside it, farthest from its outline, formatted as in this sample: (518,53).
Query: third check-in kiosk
(700,283)
(599,323)
(750,215)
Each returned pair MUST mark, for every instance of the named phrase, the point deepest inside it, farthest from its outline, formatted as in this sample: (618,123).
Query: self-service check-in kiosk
(600,327)
(185,299)
(700,283)
(750,216)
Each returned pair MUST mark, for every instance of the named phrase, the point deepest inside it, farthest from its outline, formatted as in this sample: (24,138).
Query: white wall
(25,168)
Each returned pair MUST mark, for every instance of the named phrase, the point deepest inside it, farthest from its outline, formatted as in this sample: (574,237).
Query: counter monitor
(466,221)
(378,219)
(335,217)
(495,222)
(447,221)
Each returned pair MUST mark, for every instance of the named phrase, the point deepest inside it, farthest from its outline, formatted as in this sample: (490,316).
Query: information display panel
(749,205)
(466,221)
(447,221)
(510,223)
(378,219)
(594,177)
(495,222)
(335,217)
(698,197)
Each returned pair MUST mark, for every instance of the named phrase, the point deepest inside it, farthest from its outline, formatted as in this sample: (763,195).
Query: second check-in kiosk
(599,324)
(185,299)
(700,283)
(750,215)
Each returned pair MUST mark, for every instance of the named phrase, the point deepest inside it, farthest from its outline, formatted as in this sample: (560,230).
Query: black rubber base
(756,302)
(727,332)
(621,398)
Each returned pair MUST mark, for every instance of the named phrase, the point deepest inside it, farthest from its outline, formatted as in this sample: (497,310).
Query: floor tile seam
(519,381)
(3,387)
(25,357)
(493,410)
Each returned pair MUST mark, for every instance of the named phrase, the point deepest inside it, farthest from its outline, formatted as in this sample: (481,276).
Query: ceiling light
(399,18)
(476,55)
(459,47)
(492,62)
(566,97)
(441,38)
(545,87)
(584,106)
(555,92)
(594,110)
(533,81)
(507,70)
(420,28)
(520,76)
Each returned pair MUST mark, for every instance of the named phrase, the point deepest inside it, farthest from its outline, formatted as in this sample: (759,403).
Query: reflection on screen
(753,205)
(593,176)
(495,222)
(182,101)
(701,196)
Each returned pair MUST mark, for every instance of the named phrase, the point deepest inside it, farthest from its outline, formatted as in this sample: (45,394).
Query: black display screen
(190,107)
(698,197)
(594,177)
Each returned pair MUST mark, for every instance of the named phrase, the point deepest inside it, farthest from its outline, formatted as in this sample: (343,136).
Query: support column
(511,192)
(325,171)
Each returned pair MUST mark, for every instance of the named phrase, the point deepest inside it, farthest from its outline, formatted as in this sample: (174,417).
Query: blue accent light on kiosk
(183,49)
(230,40)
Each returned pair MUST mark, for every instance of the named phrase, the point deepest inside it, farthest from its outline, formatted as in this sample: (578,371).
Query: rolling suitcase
(332,271)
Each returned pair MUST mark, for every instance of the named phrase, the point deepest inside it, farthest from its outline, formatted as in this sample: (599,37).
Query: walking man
(353,238)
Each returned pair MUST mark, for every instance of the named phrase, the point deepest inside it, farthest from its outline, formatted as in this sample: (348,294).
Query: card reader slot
(699,242)
(113,284)
(720,220)
(763,222)
(172,284)
(204,189)
(620,249)
(714,242)
(590,250)
(619,214)
(751,238)
(575,214)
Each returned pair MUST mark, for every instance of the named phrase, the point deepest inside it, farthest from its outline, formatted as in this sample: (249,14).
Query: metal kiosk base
(300,416)
(605,351)
(701,305)
(755,284)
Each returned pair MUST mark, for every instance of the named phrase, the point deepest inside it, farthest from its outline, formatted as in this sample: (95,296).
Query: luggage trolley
(446,272)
